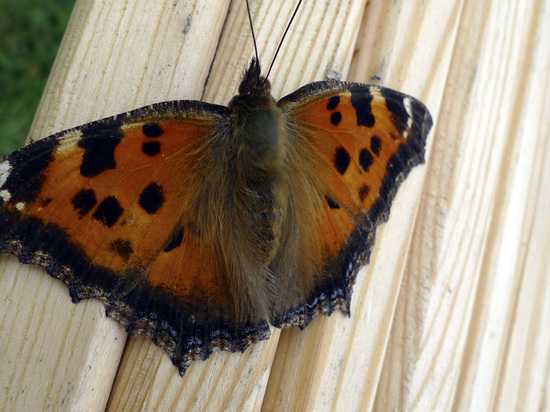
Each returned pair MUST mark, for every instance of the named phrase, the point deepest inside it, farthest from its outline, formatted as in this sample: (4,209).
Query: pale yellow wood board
(442,352)
(470,331)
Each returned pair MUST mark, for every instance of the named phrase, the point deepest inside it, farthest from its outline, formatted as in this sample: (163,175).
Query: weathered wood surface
(452,312)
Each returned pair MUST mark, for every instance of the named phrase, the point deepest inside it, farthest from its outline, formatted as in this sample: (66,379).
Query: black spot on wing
(99,142)
(108,211)
(332,203)
(152,130)
(28,165)
(151,148)
(341,160)
(375,145)
(361,100)
(365,159)
(122,247)
(45,202)
(336,118)
(175,240)
(84,201)
(363,192)
(151,198)
(333,102)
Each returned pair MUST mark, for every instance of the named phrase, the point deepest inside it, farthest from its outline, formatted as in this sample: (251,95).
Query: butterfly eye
(245,89)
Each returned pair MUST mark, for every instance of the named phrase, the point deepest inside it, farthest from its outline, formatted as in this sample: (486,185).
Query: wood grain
(451,313)
(469,330)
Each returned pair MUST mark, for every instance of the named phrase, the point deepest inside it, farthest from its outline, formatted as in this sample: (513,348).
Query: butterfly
(200,225)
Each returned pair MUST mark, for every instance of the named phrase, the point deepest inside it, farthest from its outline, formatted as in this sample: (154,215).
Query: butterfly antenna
(252,30)
(282,38)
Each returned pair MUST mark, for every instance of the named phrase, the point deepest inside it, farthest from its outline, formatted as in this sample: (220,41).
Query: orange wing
(108,208)
(365,140)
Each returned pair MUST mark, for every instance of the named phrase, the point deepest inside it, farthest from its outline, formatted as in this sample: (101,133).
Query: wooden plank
(470,328)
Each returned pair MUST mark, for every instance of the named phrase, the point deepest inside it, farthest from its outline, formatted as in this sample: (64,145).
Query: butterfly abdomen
(249,191)
(257,132)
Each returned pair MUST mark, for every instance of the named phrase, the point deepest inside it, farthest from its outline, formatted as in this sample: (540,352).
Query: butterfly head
(253,83)
(254,91)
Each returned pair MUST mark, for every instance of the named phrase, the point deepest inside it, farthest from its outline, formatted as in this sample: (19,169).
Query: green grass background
(30,34)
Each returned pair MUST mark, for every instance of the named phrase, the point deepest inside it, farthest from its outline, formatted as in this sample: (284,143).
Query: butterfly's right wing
(116,209)
(351,146)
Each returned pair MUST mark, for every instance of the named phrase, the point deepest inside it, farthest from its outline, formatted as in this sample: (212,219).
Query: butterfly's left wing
(110,208)
(361,141)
